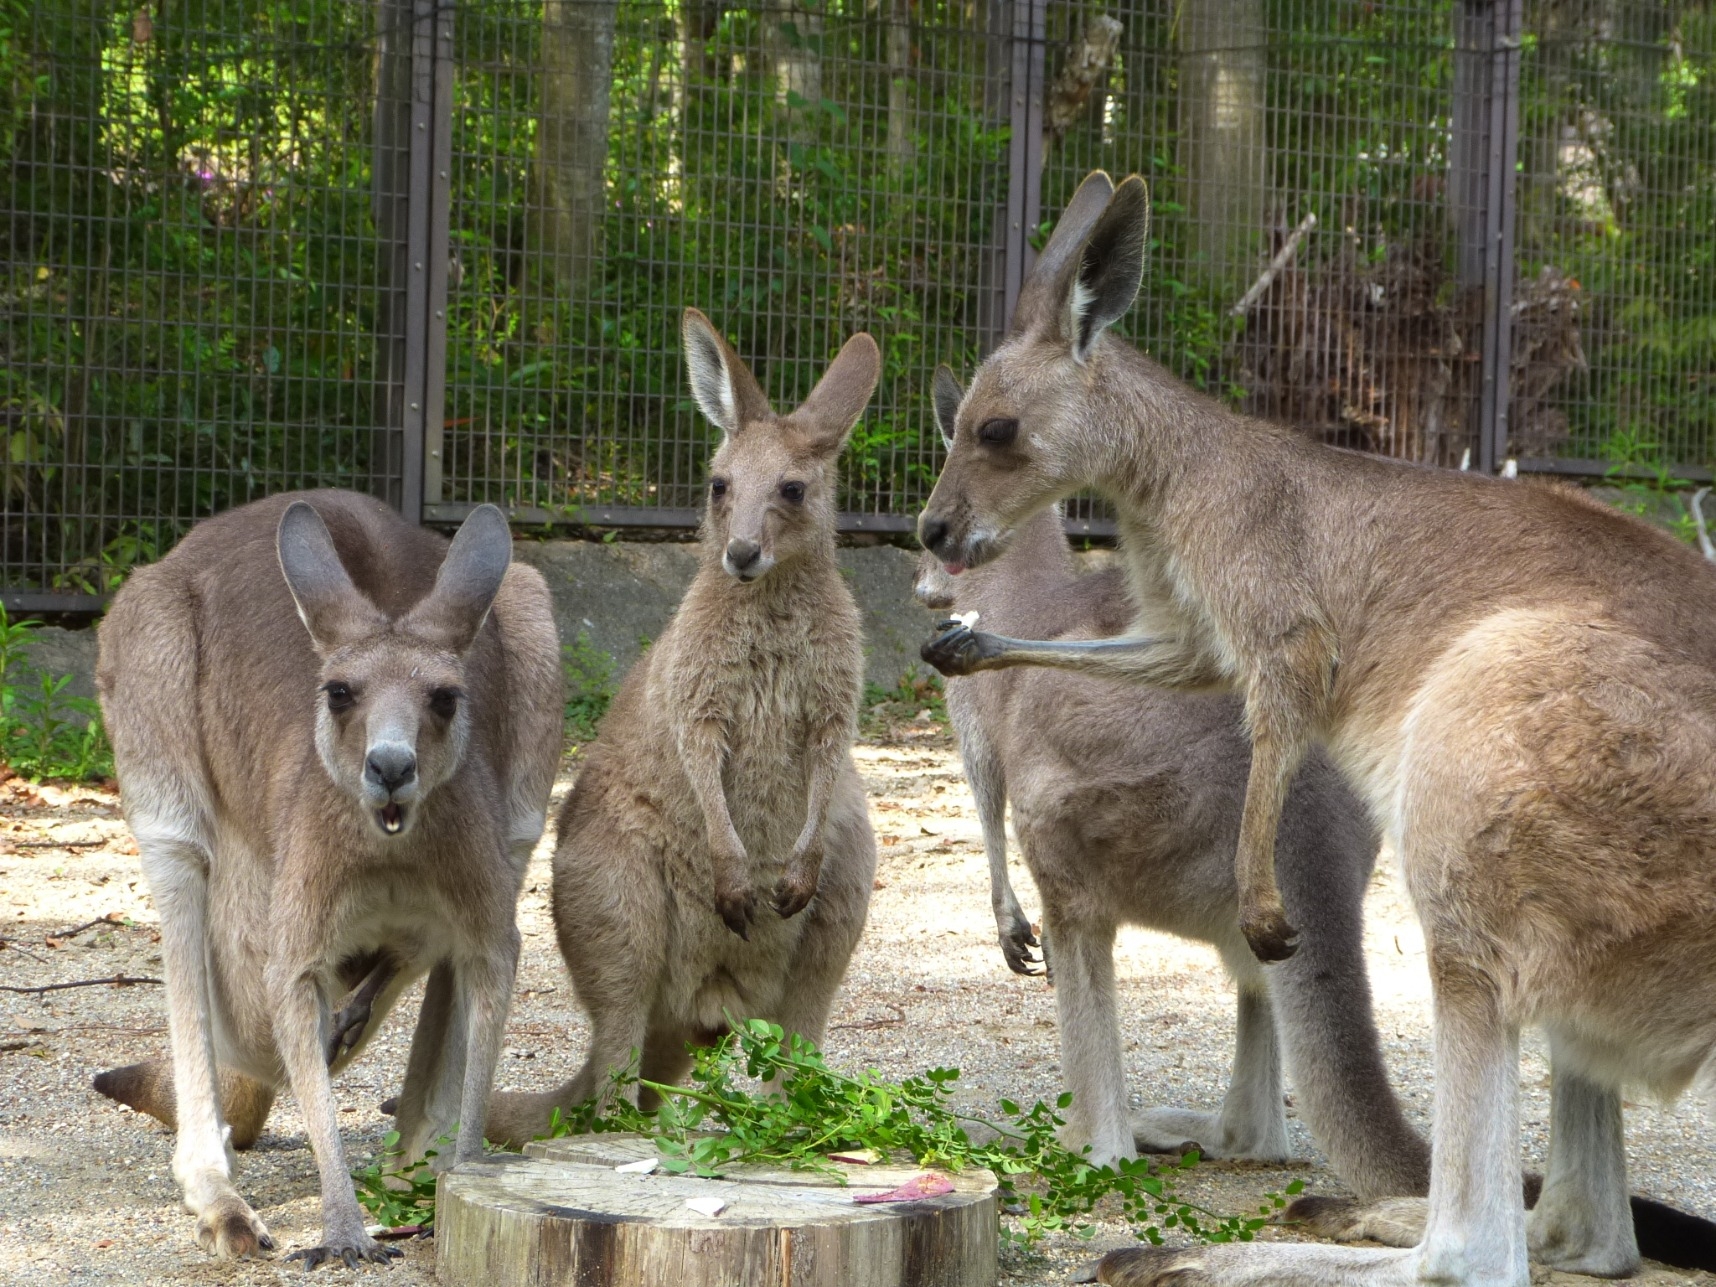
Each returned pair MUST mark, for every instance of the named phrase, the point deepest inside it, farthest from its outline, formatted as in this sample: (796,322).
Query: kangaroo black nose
(391,766)
(931,532)
(742,553)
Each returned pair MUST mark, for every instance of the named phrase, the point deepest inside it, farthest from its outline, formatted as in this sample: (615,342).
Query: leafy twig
(812,1110)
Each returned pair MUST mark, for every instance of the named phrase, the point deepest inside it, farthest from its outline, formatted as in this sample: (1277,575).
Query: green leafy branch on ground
(44,733)
(398,1196)
(713,1122)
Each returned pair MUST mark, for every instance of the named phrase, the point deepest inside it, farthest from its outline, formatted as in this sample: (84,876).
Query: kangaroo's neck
(1178,465)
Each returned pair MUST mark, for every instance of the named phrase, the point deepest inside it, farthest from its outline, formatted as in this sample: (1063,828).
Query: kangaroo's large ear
(1045,289)
(840,397)
(1110,267)
(946,394)
(723,386)
(332,609)
(465,587)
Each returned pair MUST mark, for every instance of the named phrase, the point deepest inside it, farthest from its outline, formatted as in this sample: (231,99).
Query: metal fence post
(411,178)
(1025,148)
(1482,197)
(434,63)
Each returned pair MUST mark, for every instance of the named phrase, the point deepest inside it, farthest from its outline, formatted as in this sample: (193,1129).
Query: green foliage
(589,686)
(398,1195)
(1646,485)
(714,1122)
(884,707)
(1618,191)
(43,732)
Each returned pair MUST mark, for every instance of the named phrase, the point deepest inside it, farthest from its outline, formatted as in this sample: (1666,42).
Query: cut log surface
(562,1216)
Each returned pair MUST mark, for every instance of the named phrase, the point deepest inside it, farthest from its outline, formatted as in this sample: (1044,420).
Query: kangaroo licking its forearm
(1518,681)
(714,858)
(1126,804)
(335,737)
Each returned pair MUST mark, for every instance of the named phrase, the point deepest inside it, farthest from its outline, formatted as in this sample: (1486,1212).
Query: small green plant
(915,692)
(589,686)
(1647,486)
(404,1195)
(713,1122)
(43,732)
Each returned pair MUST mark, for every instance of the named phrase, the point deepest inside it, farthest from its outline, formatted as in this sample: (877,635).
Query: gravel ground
(86,1195)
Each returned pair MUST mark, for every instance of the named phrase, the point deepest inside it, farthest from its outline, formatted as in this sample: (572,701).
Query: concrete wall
(622,594)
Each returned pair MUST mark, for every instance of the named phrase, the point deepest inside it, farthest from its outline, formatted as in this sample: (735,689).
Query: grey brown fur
(296,851)
(1126,803)
(715,855)
(1519,682)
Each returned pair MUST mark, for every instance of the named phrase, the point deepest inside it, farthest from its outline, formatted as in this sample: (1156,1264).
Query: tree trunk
(1222,70)
(576,79)
(792,39)
(899,81)
(563,1214)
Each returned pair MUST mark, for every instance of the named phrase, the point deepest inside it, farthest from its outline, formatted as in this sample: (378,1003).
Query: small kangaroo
(1126,803)
(723,776)
(335,737)
(1519,682)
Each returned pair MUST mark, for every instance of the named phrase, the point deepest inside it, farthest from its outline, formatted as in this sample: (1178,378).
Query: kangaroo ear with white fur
(1043,296)
(723,386)
(946,394)
(1110,267)
(332,609)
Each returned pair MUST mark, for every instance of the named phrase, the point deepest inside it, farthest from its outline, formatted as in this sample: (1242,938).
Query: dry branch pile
(1383,353)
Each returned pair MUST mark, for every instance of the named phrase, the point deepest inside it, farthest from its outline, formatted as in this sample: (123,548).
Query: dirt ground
(86,1195)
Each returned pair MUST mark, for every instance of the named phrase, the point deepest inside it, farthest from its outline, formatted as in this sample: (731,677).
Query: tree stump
(562,1215)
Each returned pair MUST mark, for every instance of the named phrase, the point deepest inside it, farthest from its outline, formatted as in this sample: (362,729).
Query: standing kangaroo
(335,737)
(1519,682)
(1126,804)
(723,777)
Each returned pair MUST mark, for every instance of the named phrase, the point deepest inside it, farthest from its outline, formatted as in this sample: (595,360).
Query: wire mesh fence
(439,252)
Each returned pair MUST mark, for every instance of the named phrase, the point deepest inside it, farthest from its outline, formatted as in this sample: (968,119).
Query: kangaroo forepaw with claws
(1016,945)
(1270,936)
(958,649)
(792,896)
(737,909)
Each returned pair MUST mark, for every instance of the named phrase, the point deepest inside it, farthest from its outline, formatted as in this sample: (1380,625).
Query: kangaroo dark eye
(340,696)
(444,702)
(717,487)
(998,432)
(793,492)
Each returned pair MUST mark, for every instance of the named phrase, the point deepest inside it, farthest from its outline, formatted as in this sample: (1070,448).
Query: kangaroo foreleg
(1165,663)
(985,774)
(826,751)
(702,752)
(300,1024)
(351,1020)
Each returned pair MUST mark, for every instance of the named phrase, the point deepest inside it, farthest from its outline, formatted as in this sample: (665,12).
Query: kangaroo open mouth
(392,818)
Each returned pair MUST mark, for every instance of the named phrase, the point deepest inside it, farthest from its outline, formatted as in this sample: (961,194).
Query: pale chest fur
(767,669)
